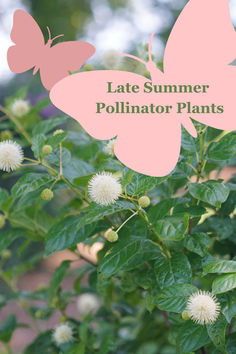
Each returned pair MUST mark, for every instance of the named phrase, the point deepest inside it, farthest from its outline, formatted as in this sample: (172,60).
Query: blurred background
(110,25)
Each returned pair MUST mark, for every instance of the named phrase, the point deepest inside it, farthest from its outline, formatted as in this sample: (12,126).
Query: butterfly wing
(72,56)
(145,142)
(202,39)
(28,40)
(199,50)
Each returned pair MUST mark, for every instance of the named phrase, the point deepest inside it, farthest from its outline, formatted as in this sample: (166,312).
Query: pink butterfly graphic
(30,51)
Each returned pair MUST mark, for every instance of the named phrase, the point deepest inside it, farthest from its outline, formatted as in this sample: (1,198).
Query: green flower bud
(63,319)
(47,194)
(55,302)
(6,135)
(6,254)
(185,315)
(88,67)
(58,131)
(47,149)
(2,221)
(144,201)
(111,236)
(38,314)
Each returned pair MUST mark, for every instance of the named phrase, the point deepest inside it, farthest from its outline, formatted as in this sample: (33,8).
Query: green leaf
(216,332)
(37,145)
(55,140)
(197,243)
(49,124)
(31,182)
(172,228)
(41,345)
(191,337)
(96,212)
(228,305)
(4,195)
(57,278)
(174,298)
(141,184)
(127,176)
(128,253)
(160,210)
(40,105)
(177,269)
(220,266)
(54,158)
(224,283)
(211,192)
(8,236)
(65,234)
(231,343)
(223,149)
(7,328)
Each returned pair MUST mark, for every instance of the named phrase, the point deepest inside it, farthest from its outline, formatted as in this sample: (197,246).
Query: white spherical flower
(20,108)
(111,59)
(104,188)
(11,155)
(109,147)
(88,303)
(63,333)
(203,307)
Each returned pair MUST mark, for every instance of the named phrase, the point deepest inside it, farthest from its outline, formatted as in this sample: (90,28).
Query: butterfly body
(30,51)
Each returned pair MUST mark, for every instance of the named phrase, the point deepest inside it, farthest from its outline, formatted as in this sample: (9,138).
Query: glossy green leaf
(224,283)
(177,269)
(31,182)
(223,149)
(211,192)
(216,332)
(174,298)
(191,337)
(127,254)
(172,228)
(197,243)
(220,266)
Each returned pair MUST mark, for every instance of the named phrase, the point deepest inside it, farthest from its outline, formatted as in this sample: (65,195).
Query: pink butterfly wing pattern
(141,144)
(29,43)
(200,49)
(30,51)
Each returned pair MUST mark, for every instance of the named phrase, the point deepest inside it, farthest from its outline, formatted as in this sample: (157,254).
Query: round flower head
(104,188)
(87,303)
(20,108)
(109,147)
(11,155)
(203,307)
(63,334)
(111,59)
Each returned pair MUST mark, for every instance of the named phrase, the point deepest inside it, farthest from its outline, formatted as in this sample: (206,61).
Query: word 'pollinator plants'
(162,278)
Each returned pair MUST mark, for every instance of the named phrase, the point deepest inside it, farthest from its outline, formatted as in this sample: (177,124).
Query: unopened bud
(2,221)
(111,236)
(88,67)
(144,201)
(185,315)
(47,194)
(47,149)
(6,135)
(6,254)
(58,131)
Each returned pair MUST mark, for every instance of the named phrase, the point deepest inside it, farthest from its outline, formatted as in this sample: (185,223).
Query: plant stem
(130,217)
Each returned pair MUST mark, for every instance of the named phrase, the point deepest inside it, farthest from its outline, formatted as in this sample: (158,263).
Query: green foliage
(182,242)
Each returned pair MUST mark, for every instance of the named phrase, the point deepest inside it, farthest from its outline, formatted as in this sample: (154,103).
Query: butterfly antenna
(132,57)
(49,34)
(60,35)
(150,47)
